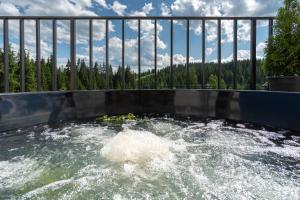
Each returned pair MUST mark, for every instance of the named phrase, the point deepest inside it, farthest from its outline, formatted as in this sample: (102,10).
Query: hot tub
(151,158)
(210,146)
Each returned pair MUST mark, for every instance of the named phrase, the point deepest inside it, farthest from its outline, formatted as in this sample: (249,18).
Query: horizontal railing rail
(171,19)
(138,17)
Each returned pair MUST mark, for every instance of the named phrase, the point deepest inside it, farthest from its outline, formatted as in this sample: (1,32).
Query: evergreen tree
(67,73)
(131,78)
(283,50)
(213,81)
(30,78)
(61,79)
(14,71)
(83,75)
(45,75)
(193,77)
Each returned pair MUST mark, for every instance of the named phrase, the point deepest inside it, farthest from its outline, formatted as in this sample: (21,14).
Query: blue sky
(141,8)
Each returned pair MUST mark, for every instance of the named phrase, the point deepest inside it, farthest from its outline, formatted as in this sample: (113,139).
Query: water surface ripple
(157,158)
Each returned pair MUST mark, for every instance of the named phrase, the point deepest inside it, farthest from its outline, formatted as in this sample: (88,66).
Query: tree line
(97,78)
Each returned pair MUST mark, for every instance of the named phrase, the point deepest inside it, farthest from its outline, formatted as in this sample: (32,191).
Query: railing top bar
(136,17)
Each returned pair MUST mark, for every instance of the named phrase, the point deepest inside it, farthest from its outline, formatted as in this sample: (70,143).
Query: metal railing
(73,20)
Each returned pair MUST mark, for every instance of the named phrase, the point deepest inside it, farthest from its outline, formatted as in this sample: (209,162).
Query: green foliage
(193,78)
(46,75)
(117,119)
(283,49)
(213,82)
(98,75)
(14,71)
(30,78)
(61,80)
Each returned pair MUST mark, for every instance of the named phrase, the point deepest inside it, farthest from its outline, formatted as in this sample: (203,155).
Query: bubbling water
(135,147)
(161,158)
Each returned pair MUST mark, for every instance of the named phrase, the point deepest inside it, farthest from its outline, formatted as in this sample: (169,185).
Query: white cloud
(59,7)
(7,8)
(131,52)
(241,55)
(165,10)
(147,26)
(164,60)
(147,8)
(118,8)
(147,40)
(115,54)
(178,7)
(225,8)
(102,3)
(245,54)
(53,7)
(82,3)
(14,46)
(179,59)
(208,51)
(260,48)
(82,8)
(83,56)
(252,5)
(30,38)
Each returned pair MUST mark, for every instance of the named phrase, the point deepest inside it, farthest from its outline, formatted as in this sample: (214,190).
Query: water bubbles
(135,146)
(162,158)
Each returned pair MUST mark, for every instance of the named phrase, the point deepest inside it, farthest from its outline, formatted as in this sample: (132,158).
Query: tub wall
(276,109)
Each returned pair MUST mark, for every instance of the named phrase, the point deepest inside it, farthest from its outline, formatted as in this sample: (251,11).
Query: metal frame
(171,52)
(54,55)
(6,56)
(219,54)
(107,52)
(73,54)
(123,52)
(139,54)
(203,53)
(235,50)
(22,56)
(38,54)
(91,54)
(123,19)
(271,21)
(188,54)
(155,54)
(253,55)
(136,17)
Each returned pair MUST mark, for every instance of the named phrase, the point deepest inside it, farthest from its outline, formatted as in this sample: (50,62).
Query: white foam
(129,168)
(118,197)
(17,171)
(187,161)
(136,147)
(55,134)
(52,186)
(240,125)
(162,128)
(90,135)
(215,124)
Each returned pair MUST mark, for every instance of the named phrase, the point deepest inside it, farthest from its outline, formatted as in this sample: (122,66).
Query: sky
(140,8)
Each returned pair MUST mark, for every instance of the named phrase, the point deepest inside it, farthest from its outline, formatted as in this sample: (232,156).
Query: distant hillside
(98,80)
(210,75)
